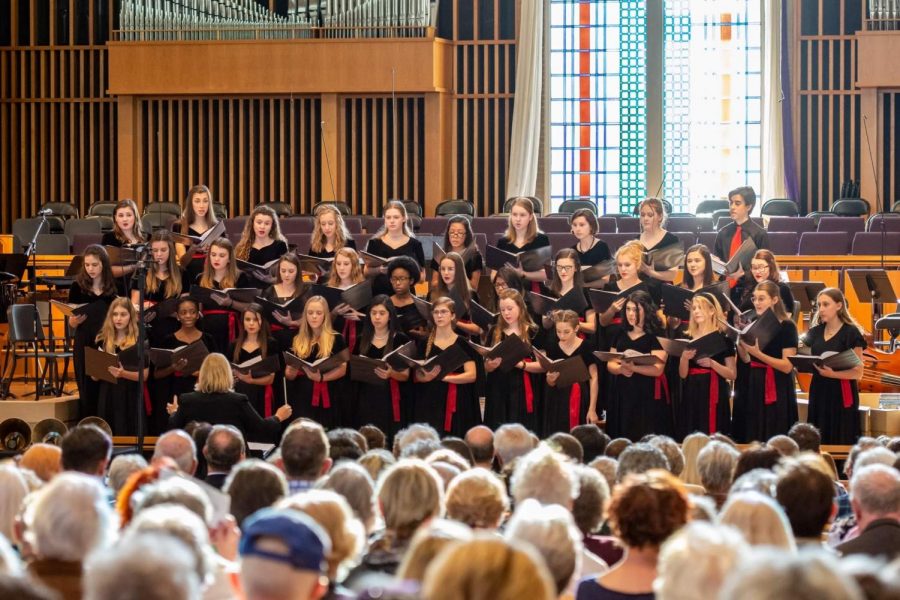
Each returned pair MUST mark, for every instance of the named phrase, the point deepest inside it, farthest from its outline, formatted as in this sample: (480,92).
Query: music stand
(873,286)
(806,292)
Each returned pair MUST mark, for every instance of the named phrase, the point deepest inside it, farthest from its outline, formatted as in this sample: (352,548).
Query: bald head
(875,493)
(178,446)
(480,440)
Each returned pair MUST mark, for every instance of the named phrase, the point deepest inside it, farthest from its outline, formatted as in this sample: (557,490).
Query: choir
(349,338)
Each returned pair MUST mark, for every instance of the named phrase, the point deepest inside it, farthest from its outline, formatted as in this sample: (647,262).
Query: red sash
(846,393)
(661,387)
(713,393)
(320,392)
(574,404)
(148,405)
(269,395)
(529,392)
(451,406)
(770,395)
(232,321)
(395,399)
(350,333)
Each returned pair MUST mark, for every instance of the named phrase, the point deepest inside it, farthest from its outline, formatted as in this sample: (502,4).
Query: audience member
(304,455)
(511,441)
(224,449)
(640,458)
(121,468)
(807,496)
(756,457)
(480,440)
(691,447)
(544,475)
(353,482)
(593,440)
(760,519)
(179,446)
(86,449)
(757,480)
(44,460)
(430,540)
(478,499)
(716,463)
(416,431)
(461,448)
(376,461)
(344,444)
(375,438)
(177,490)
(807,437)
(567,444)
(672,451)
(13,490)
(772,575)
(607,467)
(875,498)
(24,588)
(252,485)
(615,447)
(785,445)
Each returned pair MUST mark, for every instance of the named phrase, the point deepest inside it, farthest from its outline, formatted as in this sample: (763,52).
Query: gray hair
(13,489)
(786,446)
(552,531)
(353,482)
(178,522)
(695,562)
(413,433)
(593,495)
(10,564)
(777,575)
(876,489)
(148,566)
(180,447)
(512,441)
(640,458)
(875,456)
(69,518)
(716,464)
(544,475)
(672,451)
(607,467)
(177,490)
(763,481)
(122,467)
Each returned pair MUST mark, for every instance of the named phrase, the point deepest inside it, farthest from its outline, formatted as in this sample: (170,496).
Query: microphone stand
(31,253)
(140,276)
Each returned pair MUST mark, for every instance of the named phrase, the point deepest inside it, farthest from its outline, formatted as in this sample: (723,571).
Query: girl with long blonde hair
(260,244)
(394,238)
(522,235)
(117,402)
(834,395)
(652,214)
(629,258)
(330,233)
(345,273)
(705,381)
(311,393)
(446,401)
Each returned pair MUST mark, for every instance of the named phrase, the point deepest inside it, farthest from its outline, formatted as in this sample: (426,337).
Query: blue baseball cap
(307,543)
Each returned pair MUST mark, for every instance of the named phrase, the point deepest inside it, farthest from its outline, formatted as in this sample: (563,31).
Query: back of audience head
(69,518)
(615,447)
(552,532)
(24,588)
(480,440)
(354,483)
(376,461)
(283,556)
(807,436)
(695,562)
(344,445)
(640,458)
(544,475)
(703,508)
(86,449)
(420,448)
(375,438)
(757,457)
(459,446)
(672,452)
(567,444)
(716,463)
(593,496)
(773,575)
(511,441)
(785,445)
(416,431)
(875,493)
(488,568)
(593,440)
(691,448)
(44,460)
(121,468)
(430,540)
(477,498)
(177,490)
(10,563)
(646,508)
(254,484)
(224,448)
(305,451)
(807,496)
(862,444)
(13,489)
(757,480)
(182,524)
(607,467)
(180,447)
(875,579)
(149,566)
(760,518)
(409,493)
(199,431)
(874,456)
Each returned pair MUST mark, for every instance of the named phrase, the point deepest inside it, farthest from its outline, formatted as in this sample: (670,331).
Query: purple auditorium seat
(795,224)
(487,225)
(683,224)
(813,243)
(234,238)
(300,240)
(891,223)
(82,240)
(707,238)
(784,243)
(849,224)
(354,224)
(432,225)
(558,241)
(236,225)
(615,240)
(628,225)
(871,243)
(554,225)
(606,225)
(705,223)
(481,242)
(362,239)
(688,238)
(296,225)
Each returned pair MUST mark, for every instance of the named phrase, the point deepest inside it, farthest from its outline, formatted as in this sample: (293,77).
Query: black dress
(410,318)
(261,256)
(513,397)
(668,239)
(323,402)
(195,268)
(160,328)
(742,295)
(262,397)
(540,241)
(595,255)
(412,248)
(705,397)
(348,243)
(834,403)
(474,263)
(565,407)
(760,413)
(381,405)
(117,403)
(638,405)
(177,383)
(226,408)
(83,336)
(123,283)
(452,409)
(221,323)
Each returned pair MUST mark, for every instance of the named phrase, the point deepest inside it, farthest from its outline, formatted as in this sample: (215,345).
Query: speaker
(15,435)
(98,422)
(49,431)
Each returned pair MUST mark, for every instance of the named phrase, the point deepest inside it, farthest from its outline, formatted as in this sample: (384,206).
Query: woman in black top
(288,285)
(459,238)
(523,235)
(220,273)
(165,281)
(403,272)
(198,217)
(591,251)
(254,341)
(330,233)
(395,238)
(126,232)
(94,283)
(261,243)
(763,267)
(654,237)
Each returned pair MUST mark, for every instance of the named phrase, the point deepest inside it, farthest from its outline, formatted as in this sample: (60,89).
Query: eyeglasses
(565,268)
(758,268)
(456,233)
(399,279)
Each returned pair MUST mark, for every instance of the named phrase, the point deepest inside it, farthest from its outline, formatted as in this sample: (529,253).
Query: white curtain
(524,142)
(773,182)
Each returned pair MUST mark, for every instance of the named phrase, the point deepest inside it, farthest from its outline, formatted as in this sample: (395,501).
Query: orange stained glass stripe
(584,93)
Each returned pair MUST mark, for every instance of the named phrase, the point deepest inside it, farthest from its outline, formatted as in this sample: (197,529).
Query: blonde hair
(477,498)
(107,336)
(633,250)
(207,279)
(306,337)
(341,234)
(429,541)
(248,237)
(409,493)
(488,568)
(533,230)
(714,316)
(215,375)
(173,282)
(691,447)
(526,325)
(330,510)
(843,314)
(760,518)
(356,273)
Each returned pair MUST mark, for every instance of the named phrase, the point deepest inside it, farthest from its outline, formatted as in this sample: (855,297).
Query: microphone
(44,212)
(877,190)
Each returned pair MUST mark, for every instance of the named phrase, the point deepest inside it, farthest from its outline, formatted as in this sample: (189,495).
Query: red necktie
(735,242)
